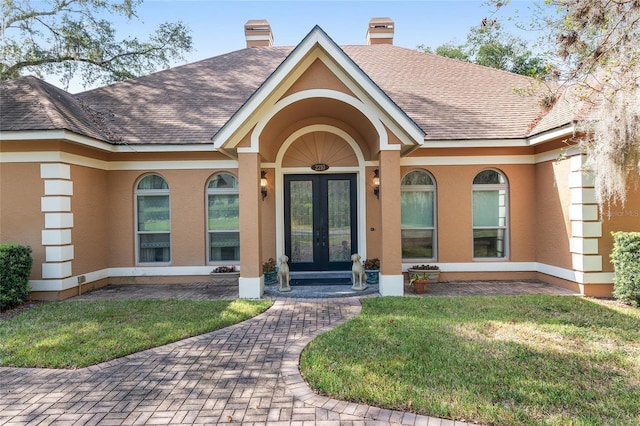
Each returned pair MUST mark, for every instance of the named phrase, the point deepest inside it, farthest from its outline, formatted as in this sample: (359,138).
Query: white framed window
(418,215)
(490,215)
(153,220)
(223,218)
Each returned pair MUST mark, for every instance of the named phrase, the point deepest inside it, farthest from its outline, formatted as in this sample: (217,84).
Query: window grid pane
(223,218)
(417,209)
(418,215)
(224,246)
(417,243)
(153,213)
(490,211)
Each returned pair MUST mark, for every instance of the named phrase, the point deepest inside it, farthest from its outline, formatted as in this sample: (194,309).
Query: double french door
(320,221)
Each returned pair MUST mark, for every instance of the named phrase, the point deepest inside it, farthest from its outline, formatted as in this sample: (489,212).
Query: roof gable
(317,45)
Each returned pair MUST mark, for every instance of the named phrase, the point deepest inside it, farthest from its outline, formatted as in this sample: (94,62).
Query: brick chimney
(258,33)
(380,31)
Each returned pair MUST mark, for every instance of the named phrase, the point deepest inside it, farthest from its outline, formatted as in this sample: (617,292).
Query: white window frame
(492,187)
(151,192)
(424,188)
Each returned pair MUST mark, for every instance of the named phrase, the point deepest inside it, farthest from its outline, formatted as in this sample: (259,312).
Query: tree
(70,38)
(600,39)
(488,45)
(597,41)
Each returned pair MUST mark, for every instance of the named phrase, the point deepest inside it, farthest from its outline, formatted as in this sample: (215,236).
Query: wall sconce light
(376,183)
(263,184)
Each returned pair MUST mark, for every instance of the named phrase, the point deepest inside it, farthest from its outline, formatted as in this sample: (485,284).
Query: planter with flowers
(270,271)
(419,281)
(432,272)
(372,270)
(225,275)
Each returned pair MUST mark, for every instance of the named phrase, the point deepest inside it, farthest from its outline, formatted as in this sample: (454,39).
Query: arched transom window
(223,218)
(490,214)
(418,195)
(153,220)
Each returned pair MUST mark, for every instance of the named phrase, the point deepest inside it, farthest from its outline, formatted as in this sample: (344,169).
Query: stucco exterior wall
(188,215)
(90,235)
(552,224)
(454,210)
(21,219)
(618,218)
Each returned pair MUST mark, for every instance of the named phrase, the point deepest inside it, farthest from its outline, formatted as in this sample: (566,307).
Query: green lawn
(73,334)
(500,360)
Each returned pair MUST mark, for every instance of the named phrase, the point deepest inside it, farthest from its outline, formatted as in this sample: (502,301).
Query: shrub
(15,267)
(626,262)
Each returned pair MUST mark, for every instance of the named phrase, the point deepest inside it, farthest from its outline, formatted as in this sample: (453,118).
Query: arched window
(490,214)
(153,220)
(418,194)
(223,218)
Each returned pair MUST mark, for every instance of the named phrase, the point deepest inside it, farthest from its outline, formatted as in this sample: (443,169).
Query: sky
(217,27)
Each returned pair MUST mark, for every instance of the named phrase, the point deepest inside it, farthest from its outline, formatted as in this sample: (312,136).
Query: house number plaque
(320,167)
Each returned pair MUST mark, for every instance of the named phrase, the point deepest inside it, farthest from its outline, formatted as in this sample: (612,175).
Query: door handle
(325,236)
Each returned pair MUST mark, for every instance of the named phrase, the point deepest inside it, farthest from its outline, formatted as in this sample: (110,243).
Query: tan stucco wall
(318,76)
(268,218)
(552,224)
(373,208)
(188,216)
(90,235)
(618,218)
(454,210)
(250,208)
(21,219)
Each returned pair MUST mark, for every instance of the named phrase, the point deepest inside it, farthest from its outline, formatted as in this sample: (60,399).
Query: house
(316,151)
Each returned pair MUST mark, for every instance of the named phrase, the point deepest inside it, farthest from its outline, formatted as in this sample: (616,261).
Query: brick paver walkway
(246,373)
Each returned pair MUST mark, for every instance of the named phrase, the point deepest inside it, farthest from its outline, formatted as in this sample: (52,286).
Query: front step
(321,278)
(310,275)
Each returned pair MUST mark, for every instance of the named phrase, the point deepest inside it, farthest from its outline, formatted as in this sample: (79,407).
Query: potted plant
(372,269)
(432,272)
(419,281)
(225,275)
(270,271)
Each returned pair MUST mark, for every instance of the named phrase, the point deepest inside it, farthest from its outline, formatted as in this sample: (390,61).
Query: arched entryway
(321,219)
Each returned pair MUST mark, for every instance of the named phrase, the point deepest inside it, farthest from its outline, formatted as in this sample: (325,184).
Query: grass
(525,360)
(74,334)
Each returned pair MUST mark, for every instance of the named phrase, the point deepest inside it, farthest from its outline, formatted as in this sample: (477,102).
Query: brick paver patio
(243,374)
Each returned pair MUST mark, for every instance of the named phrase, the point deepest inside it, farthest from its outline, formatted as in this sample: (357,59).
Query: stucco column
(391,279)
(251,285)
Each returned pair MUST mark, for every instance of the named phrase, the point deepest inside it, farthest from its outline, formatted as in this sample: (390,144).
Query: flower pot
(420,286)
(271,278)
(225,278)
(372,275)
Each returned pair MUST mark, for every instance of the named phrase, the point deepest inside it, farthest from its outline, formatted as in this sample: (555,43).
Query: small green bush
(15,267)
(626,263)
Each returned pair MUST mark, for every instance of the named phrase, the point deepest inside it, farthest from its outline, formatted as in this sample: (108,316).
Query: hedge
(15,267)
(626,262)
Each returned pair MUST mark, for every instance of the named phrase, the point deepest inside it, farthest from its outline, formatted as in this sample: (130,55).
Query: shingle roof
(449,99)
(186,104)
(28,103)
